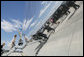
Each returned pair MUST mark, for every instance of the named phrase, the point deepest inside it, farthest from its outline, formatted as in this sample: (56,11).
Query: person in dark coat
(72,4)
(48,28)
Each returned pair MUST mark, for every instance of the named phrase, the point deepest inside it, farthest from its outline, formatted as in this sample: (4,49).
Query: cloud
(7,26)
(44,9)
(3,41)
(37,26)
(33,24)
(16,23)
(26,23)
(10,27)
(44,3)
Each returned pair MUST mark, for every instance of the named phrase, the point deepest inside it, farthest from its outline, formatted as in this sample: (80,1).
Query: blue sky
(30,14)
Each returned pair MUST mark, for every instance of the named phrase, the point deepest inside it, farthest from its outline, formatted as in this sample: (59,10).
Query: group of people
(63,9)
(39,35)
(13,44)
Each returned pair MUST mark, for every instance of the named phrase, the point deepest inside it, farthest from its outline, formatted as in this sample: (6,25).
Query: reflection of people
(20,34)
(26,39)
(20,42)
(2,48)
(13,41)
